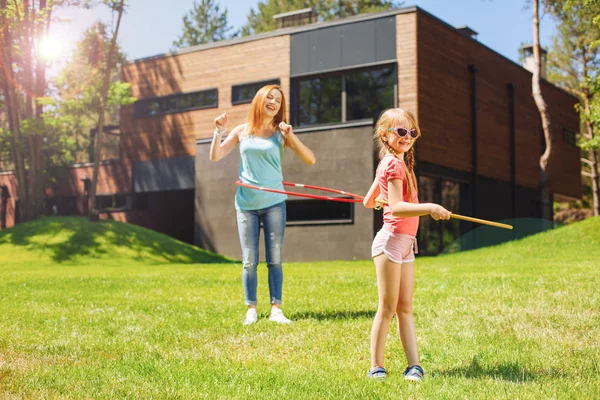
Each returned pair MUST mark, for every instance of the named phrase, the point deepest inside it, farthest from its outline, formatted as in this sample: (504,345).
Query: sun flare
(49,48)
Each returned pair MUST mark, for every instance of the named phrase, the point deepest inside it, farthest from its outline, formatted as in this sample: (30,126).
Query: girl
(396,132)
(262,140)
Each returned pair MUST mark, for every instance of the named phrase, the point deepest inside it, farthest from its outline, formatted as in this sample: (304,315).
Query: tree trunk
(592,155)
(36,152)
(33,160)
(12,107)
(543,109)
(93,211)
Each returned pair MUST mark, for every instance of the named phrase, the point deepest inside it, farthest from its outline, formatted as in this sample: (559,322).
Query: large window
(368,92)
(242,94)
(320,100)
(343,96)
(176,103)
(318,212)
(435,237)
(114,202)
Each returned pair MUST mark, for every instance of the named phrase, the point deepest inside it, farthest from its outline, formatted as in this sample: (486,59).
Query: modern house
(478,155)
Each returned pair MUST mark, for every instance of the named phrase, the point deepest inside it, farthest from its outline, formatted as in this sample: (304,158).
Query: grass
(114,311)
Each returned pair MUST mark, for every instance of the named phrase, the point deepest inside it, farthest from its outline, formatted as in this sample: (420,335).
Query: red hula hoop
(356,198)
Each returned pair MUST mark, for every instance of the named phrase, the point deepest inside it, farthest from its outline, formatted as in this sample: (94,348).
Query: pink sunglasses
(401,132)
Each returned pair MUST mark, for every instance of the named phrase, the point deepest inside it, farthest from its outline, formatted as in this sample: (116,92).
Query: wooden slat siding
(406,54)
(444,97)
(175,135)
(112,178)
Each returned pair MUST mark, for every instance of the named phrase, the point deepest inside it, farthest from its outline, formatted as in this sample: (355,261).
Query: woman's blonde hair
(392,118)
(257,109)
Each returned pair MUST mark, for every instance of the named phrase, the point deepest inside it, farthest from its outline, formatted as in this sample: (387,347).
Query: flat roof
(284,31)
(326,24)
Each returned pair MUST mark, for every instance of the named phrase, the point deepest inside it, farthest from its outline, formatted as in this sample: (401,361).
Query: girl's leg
(274,227)
(248,230)
(404,314)
(388,281)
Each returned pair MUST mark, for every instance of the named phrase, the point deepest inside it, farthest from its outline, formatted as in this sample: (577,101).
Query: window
(343,96)
(242,94)
(320,100)
(6,163)
(318,212)
(435,237)
(113,202)
(570,137)
(67,205)
(368,92)
(176,103)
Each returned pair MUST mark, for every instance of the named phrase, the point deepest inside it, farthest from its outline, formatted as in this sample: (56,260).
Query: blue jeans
(273,221)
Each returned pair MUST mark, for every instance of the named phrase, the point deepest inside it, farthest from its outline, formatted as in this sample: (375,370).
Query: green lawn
(110,310)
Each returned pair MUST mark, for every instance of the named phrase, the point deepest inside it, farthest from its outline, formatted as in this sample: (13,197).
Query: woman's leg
(388,281)
(274,226)
(404,314)
(248,230)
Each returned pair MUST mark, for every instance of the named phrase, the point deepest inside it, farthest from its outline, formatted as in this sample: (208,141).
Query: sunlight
(49,48)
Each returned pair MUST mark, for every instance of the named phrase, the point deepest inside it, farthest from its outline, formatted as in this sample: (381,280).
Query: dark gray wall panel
(343,46)
(164,174)
(349,167)
(358,43)
(385,39)
(300,63)
(325,50)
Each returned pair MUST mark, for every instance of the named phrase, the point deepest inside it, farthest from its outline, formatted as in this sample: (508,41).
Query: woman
(262,140)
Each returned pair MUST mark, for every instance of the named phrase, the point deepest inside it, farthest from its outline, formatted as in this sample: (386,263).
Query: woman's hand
(220,121)
(285,129)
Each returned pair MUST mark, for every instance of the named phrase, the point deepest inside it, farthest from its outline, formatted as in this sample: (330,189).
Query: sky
(150,26)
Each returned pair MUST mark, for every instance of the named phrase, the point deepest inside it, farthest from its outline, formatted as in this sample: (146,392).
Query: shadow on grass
(332,315)
(512,371)
(68,238)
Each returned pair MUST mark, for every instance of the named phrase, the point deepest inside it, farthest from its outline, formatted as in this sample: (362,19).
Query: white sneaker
(251,316)
(277,316)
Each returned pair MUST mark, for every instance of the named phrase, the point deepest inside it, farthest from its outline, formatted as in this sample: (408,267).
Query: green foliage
(204,23)
(261,20)
(73,111)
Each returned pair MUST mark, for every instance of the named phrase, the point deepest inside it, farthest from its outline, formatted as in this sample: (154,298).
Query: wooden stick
(481,221)
(464,218)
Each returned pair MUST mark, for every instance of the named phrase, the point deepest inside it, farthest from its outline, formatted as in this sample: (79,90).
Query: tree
(25,24)
(544,114)
(204,23)
(117,6)
(574,65)
(73,109)
(262,19)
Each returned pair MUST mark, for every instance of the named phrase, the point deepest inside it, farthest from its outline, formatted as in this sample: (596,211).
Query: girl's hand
(438,212)
(285,129)
(220,121)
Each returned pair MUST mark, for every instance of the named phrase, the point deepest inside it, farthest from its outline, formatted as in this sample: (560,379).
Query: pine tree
(204,23)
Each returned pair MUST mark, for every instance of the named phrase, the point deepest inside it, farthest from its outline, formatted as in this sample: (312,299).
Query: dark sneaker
(414,373)
(378,373)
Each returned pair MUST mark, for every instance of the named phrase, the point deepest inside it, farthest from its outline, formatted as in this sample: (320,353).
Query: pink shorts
(397,247)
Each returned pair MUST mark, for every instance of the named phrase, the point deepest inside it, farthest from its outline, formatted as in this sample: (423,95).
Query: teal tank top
(260,165)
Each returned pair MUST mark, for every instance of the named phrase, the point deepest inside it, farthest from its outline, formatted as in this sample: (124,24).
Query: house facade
(478,154)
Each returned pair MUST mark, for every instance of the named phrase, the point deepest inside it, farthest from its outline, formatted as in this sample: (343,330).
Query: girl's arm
(219,149)
(292,141)
(369,200)
(403,209)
